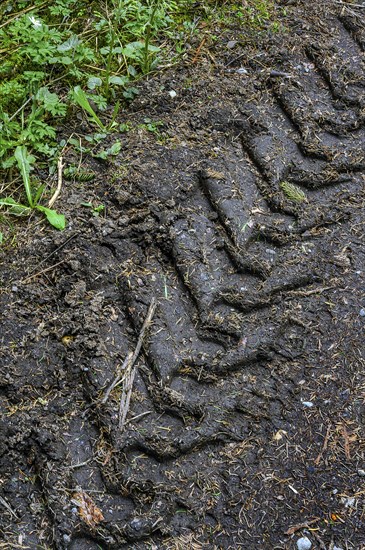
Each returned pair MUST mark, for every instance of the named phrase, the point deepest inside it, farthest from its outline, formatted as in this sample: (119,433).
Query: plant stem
(109,61)
(146,63)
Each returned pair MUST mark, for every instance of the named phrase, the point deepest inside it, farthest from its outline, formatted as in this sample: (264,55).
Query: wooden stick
(116,379)
(41,272)
(195,58)
(125,370)
(59,183)
(126,397)
(324,448)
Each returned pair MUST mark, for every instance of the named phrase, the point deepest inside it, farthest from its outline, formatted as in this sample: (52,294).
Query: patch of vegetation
(63,55)
(57,57)
(254,15)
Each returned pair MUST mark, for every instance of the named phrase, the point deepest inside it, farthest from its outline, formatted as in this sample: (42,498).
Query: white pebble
(304,543)
(349,503)
(172,94)
(307,403)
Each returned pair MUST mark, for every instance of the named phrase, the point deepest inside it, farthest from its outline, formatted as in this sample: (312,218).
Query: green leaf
(15,208)
(153,49)
(9,162)
(1,237)
(54,218)
(115,148)
(119,80)
(50,101)
(94,82)
(70,44)
(133,50)
(25,160)
(130,93)
(66,60)
(7,201)
(81,98)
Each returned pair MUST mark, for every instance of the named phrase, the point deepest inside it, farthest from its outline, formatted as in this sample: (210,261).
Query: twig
(117,378)
(8,507)
(324,448)
(126,397)
(41,272)
(128,379)
(124,370)
(345,5)
(59,183)
(347,442)
(137,416)
(299,526)
(320,541)
(22,12)
(195,58)
(80,464)
(21,108)
(52,253)
(310,292)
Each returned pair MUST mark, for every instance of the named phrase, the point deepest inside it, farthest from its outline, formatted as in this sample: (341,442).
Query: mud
(246,422)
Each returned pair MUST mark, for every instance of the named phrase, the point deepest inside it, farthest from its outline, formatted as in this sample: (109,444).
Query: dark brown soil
(246,422)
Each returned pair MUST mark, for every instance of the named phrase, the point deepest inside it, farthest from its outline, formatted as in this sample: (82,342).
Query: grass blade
(81,98)
(25,160)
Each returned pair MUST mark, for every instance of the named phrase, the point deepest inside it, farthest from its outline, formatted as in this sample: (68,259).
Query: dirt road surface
(236,205)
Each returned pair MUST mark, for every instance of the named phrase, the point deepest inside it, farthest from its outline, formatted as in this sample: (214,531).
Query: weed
(96,210)
(151,126)
(112,151)
(293,192)
(81,98)
(25,161)
(77,173)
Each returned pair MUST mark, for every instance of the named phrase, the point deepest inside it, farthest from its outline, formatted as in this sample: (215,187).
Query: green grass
(66,55)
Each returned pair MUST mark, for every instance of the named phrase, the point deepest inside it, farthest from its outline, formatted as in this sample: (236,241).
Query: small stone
(242,70)
(14,288)
(304,543)
(172,94)
(362,312)
(136,524)
(337,548)
(349,503)
(231,44)
(361,473)
(308,403)
(67,538)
